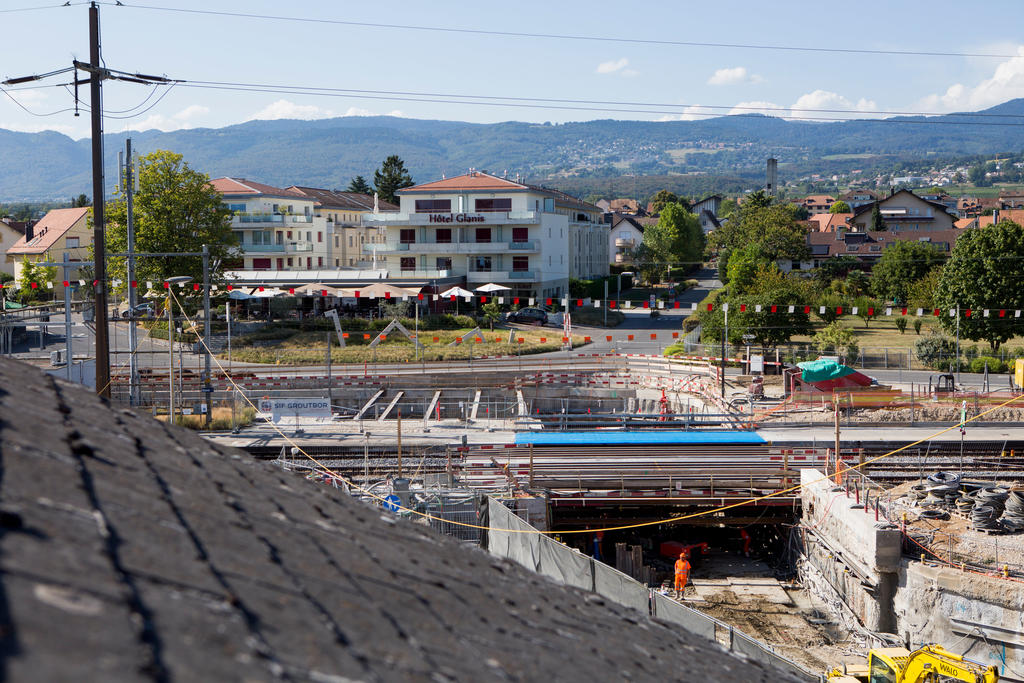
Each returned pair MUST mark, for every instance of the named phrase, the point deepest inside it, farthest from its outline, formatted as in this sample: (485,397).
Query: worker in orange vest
(682,574)
(746,542)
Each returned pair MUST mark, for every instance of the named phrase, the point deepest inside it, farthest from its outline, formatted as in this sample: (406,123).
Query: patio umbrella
(458,293)
(317,290)
(238,294)
(492,287)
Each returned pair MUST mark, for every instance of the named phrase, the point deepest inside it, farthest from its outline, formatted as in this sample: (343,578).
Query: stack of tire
(988,508)
(1013,517)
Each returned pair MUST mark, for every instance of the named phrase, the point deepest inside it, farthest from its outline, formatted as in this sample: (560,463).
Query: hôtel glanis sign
(456,218)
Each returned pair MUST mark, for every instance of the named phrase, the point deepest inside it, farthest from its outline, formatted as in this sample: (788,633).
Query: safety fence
(546,556)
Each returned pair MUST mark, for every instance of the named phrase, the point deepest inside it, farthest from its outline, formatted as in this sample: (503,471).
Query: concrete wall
(978,616)
(860,556)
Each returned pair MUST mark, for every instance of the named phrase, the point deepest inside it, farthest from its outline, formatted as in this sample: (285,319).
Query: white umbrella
(267,293)
(238,294)
(492,287)
(457,291)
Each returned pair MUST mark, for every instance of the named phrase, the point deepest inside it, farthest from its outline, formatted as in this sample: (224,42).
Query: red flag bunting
(775,308)
(871,311)
(134,284)
(936,311)
(839,310)
(66,283)
(711,307)
(516,301)
(968,313)
(611,304)
(549,302)
(743,308)
(1002,313)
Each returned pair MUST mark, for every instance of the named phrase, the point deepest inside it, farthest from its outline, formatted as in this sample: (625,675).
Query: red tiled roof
(474,180)
(818,199)
(1015,215)
(48,230)
(827,222)
(241,186)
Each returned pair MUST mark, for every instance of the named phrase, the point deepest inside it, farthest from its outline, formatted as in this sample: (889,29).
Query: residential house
(630,206)
(277,229)
(1000,215)
(857,198)
(867,247)
(626,234)
(59,232)
(903,211)
(707,212)
(489,229)
(1011,200)
(816,203)
(830,222)
(10,232)
(344,211)
(968,207)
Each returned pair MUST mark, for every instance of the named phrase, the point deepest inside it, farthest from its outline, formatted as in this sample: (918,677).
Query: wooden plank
(433,404)
(476,405)
(391,405)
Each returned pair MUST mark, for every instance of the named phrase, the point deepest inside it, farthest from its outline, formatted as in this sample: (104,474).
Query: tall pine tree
(359,185)
(390,178)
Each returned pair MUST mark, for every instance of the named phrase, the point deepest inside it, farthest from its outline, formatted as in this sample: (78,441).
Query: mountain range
(329,152)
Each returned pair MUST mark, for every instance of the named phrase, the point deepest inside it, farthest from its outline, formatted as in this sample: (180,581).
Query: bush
(901,324)
(917,325)
(835,336)
(936,351)
(977,364)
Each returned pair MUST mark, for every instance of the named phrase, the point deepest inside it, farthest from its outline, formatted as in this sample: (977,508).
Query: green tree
(771,288)
(664,197)
(840,207)
(867,309)
(492,313)
(838,338)
(40,275)
(984,272)
(877,223)
(903,263)
(773,228)
(175,210)
(836,267)
(390,178)
(359,185)
(901,324)
(743,268)
(80,201)
(921,292)
(676,238)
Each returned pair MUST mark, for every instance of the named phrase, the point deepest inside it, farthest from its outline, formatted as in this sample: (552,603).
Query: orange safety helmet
(683,555)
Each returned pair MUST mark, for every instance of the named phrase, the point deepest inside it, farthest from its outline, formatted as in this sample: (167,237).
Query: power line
(565,36)
(33,9)
(527,103)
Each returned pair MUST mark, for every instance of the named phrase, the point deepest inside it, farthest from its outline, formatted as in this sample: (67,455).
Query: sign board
(284,408)
(186,411)
(392,503)
(756,363)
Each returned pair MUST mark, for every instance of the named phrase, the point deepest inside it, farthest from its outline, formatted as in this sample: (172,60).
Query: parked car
(141,311)
(532,316)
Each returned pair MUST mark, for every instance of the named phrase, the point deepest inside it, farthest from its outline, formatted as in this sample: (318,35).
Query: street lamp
(171,281)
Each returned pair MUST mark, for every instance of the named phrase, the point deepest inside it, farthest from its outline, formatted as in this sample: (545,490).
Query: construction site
(823,514)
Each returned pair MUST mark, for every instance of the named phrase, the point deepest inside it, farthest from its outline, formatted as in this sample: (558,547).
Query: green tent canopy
(821,370)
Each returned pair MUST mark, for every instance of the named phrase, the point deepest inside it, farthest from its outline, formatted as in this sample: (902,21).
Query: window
(433,205)
(289,234)
(483,235)
(443,235)
(319,261)
(493,205)
(261,237)
(520,264)
(71,243)
(520,234)
(280,237)
(407,235)
(482,264)
(336,242)
(549,204)
(290,261)
(280,264)
(319,237)
(444,263)
(337,262)
(309,236)
(881,672)
(350,241)
(408,263)
(309,262)
(236,208)
(261,264)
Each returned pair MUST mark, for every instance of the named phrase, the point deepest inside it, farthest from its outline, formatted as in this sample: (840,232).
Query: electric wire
(562,36)
(33,9)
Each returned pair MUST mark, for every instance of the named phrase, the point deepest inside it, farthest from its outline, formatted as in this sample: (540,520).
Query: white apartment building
(276,229)
(489,229)
(344,213)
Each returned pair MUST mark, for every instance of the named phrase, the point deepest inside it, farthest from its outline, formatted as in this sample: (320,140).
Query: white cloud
(733,76)
(615,65)
(356,111)
(1006,83)
(758,107)
(691,113)
(285,109)
(186,118)
(825,99)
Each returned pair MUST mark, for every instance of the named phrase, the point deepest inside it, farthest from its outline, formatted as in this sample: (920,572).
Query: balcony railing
(299,219)
(421,274)
(262,248)
(239,218)
(491,217)
(299,246)
(476,276)
(625,243)
(454,247)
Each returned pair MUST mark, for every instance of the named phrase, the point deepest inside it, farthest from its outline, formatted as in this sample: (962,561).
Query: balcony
(421,274)
(299,218)
(457,218)
(484,276)
(249,249)
(257,219)
(299,246)
(450,247)
(625,243)
(623,258)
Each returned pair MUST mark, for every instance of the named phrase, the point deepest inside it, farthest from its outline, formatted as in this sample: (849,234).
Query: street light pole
(170,359)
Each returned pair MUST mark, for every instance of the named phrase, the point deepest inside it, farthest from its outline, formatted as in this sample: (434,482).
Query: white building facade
(277,229)
(488,229)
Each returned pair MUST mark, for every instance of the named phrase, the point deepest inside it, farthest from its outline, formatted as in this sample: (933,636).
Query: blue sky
(324,55)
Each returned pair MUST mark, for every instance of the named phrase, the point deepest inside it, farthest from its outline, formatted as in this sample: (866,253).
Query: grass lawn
(306,348)
(882,333)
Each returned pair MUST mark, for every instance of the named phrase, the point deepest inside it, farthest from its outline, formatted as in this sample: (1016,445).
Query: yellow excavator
(929,664)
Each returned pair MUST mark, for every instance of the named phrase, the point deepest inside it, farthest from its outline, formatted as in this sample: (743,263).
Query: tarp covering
(821,370)
(620,588)
(667,609)
(698,436)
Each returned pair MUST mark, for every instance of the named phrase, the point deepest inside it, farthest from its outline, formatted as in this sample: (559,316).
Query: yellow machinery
(930,664)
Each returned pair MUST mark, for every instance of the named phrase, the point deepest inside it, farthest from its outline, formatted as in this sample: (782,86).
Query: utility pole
(207,379)
(98,194)
(725,332)
(330,381)
(958,343)
(130,180)
(170,361)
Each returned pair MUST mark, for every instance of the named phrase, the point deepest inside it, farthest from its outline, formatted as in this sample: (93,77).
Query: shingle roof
(336,199)
(241,187)
(828,222)
(472,181)
(134,551)
(48,230)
